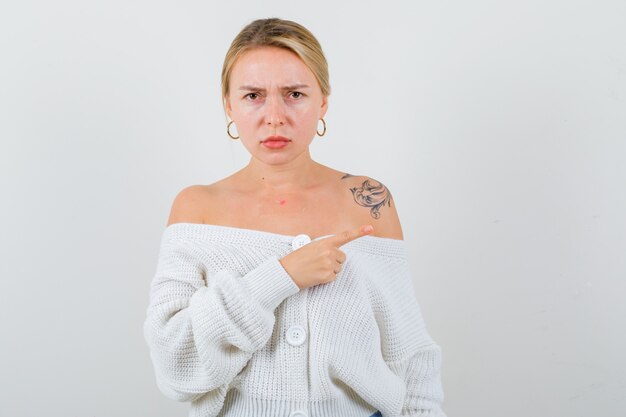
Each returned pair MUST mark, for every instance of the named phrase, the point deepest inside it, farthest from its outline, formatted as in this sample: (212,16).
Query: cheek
(306,115)
(245,116)
(246,109)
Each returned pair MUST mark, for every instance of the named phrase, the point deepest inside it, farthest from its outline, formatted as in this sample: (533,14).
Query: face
(273,93)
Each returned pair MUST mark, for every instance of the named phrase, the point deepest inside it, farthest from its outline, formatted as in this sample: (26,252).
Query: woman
(284,289)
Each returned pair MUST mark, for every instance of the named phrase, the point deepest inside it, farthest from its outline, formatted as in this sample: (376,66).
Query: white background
(499,127)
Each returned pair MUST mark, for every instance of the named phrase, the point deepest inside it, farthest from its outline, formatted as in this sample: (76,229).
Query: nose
(275,115)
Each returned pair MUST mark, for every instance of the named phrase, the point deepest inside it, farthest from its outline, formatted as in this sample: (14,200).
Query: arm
(411,353)
(423,383)
(202,330)
(416,357)
(407,347)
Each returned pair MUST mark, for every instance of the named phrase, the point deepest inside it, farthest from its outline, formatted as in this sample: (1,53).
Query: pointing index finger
(349,235)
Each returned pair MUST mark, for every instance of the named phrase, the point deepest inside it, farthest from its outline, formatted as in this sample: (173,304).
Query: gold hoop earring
(324,131)
(228,130)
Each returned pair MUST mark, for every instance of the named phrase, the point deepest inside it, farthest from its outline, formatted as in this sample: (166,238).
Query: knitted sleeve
(423,383)
(202,329)
(410,351)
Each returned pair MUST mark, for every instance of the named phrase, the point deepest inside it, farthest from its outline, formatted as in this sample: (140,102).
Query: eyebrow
(287,87)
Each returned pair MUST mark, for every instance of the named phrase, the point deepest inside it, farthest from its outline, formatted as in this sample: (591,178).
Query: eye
(251,94)
(297,92)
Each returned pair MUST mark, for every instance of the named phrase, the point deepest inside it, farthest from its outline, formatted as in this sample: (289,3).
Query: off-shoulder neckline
(231,235)
(264,232)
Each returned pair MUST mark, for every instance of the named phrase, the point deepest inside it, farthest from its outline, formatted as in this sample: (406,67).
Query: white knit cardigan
(230,332)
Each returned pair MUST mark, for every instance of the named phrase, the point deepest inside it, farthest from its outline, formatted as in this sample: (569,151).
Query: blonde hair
(283,34)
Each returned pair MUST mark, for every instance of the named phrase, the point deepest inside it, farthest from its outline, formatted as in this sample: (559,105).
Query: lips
(275,142)
(275,139)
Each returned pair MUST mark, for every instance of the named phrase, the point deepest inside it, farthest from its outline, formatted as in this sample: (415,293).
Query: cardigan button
(296,335)
(298,414)
(299,241)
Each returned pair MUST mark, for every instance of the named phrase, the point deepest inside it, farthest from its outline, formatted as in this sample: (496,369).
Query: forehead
(270,64)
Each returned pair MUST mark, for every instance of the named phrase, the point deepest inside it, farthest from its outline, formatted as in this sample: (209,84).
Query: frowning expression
(274,93)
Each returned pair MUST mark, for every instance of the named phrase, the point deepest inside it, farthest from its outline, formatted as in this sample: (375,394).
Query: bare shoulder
(189,205)
(371,202)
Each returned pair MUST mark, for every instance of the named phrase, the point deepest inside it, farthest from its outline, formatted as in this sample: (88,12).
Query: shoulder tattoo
(372,194)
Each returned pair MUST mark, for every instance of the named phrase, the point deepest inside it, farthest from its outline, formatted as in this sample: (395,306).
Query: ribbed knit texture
(221,307)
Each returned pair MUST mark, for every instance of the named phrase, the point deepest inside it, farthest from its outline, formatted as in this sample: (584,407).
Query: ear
(228,108)
(324,106)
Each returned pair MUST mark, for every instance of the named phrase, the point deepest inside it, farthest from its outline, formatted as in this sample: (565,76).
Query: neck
(293,176)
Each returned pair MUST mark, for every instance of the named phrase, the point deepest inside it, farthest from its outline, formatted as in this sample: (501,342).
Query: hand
(319,261)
